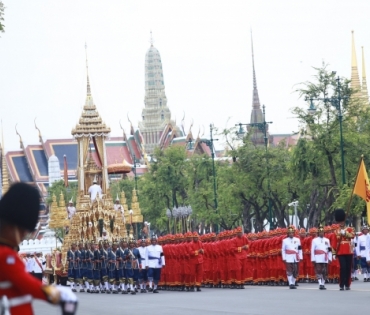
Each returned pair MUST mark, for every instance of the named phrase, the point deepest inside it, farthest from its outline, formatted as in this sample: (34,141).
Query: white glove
(66,294)
(342,232)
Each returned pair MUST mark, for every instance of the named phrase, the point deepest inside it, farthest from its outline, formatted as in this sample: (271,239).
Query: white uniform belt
(5,285)
(25,299)
(17,301)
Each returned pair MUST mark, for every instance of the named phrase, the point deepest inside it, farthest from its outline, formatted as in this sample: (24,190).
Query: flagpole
(353,189)
(65,169)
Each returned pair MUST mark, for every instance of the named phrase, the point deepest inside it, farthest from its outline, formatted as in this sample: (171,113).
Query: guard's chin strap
(11,244)
(8,243)
(17,236)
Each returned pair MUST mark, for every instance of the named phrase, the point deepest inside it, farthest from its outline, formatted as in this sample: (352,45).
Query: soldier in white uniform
(155,261)
(71,209)
(30,263)
(321,255)
(362,251)
(38,267)
(95,189)
(143,274)
(291,252)
(29,268)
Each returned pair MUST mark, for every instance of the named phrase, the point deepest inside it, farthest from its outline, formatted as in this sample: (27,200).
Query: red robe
(240,256)
(196,263)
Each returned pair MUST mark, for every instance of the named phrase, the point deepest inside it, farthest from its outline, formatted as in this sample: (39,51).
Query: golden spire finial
(202,132)
(20,138)
(132,131)
(87,73)
(40,137)
(364,84)
(191,126)
(123,131)
(4,167)
(2,135)
(355,79)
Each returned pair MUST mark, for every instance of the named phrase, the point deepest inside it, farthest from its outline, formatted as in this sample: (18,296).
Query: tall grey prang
(155,115)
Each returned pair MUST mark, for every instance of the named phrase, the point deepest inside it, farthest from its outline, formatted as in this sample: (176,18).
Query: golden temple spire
(355,79)
(4,167)
(40,137)
(4,173)
(364,91)
(132,131)
(90,123)
(87,74)
(20,138)
(124,133)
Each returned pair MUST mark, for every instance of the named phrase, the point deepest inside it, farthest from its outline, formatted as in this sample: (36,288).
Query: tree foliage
(254,178)
(2,9)
(68,192)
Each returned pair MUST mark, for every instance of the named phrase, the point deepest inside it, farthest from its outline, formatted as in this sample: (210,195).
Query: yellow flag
(362,188)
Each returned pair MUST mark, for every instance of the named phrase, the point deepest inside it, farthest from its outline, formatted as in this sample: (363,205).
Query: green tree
(317,158)
(127,185)
(247,183)
(68,192)
(2,9)
(164,185)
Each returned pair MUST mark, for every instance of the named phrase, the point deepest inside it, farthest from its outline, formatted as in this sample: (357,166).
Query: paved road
(254,300)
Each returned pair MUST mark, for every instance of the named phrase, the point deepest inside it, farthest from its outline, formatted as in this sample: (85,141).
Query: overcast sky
(205,49)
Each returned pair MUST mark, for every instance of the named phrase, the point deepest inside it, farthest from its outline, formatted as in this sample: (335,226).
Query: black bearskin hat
(339,215)
(20,206)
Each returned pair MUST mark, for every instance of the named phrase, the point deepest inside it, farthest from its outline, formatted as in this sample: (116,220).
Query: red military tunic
(15,282)
(342,243)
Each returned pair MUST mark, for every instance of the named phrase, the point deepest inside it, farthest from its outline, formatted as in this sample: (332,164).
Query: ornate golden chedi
(58,213)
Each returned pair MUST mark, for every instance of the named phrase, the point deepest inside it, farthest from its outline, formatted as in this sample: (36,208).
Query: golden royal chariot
(91,215)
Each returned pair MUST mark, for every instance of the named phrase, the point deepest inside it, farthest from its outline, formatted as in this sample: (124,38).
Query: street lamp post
(335,101)
(263,127)
(134,169)
(169,215)
(210,144)
(295,205)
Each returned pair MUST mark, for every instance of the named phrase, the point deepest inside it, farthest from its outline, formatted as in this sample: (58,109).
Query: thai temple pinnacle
(360,87)
(156,114)
(257,116)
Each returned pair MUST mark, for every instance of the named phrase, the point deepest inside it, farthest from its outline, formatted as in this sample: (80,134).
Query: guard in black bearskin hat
(343,249)
(19,212)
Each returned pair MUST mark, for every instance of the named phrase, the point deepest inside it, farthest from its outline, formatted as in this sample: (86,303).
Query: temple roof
(31,165)
(37,161)
(18,167)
